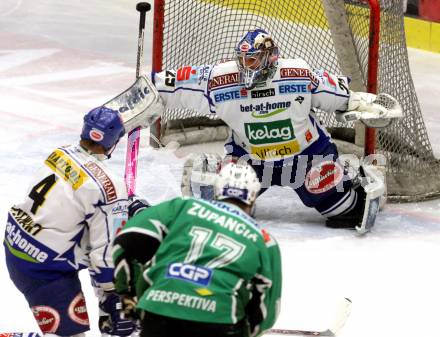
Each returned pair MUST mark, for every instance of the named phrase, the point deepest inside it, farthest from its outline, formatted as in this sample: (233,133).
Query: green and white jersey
(212,259)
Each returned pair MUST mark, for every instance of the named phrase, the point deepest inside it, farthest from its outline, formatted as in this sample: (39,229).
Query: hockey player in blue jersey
(267,102)
(65,223)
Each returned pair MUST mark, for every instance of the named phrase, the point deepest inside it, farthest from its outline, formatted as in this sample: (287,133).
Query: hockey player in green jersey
(208,268)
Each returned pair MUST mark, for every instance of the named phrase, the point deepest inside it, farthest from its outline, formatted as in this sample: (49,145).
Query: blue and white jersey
(67,218)
(273,121)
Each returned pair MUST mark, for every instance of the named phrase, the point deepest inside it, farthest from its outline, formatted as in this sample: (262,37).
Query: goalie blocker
(139,106)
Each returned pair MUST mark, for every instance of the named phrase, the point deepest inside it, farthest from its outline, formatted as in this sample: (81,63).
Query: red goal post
(363,39)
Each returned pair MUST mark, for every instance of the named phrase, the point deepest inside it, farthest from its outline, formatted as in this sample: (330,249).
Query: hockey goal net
(362,39)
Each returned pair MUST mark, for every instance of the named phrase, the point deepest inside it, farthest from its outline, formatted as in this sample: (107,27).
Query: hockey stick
(342,316)
(134,135)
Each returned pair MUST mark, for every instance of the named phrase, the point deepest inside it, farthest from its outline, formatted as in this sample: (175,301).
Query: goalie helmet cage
(362,39)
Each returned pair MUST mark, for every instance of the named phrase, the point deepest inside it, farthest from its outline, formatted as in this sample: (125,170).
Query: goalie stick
(134,135)
(341,317)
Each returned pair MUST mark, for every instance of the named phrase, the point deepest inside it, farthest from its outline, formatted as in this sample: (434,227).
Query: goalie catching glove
(375,111)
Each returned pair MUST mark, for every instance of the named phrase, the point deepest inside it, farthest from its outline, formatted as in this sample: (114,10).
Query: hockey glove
(114,323)
(129,307)
(375,111)
(136,206)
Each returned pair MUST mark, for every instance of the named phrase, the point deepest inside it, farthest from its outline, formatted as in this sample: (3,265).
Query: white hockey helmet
(237,181)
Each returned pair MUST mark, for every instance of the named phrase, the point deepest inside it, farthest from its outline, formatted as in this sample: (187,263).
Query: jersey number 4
(38,193)
(231,250)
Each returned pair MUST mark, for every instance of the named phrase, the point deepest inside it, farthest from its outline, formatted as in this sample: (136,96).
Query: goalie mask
(237,181)
(256,56)
(103,126)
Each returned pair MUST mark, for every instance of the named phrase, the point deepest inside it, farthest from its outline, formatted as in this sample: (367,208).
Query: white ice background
(59,59)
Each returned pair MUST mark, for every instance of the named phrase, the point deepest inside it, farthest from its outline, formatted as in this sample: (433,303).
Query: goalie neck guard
(237,181)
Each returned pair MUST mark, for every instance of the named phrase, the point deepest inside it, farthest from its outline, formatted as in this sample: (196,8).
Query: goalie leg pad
(374,189)
(199,174)
(370,191)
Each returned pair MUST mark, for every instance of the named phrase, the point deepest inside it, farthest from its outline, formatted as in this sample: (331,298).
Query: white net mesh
(203,32)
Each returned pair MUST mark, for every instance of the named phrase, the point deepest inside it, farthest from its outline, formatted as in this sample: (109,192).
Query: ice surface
(59,59)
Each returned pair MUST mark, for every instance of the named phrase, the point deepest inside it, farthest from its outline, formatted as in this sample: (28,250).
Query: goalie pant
(320,180)
(64,223)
